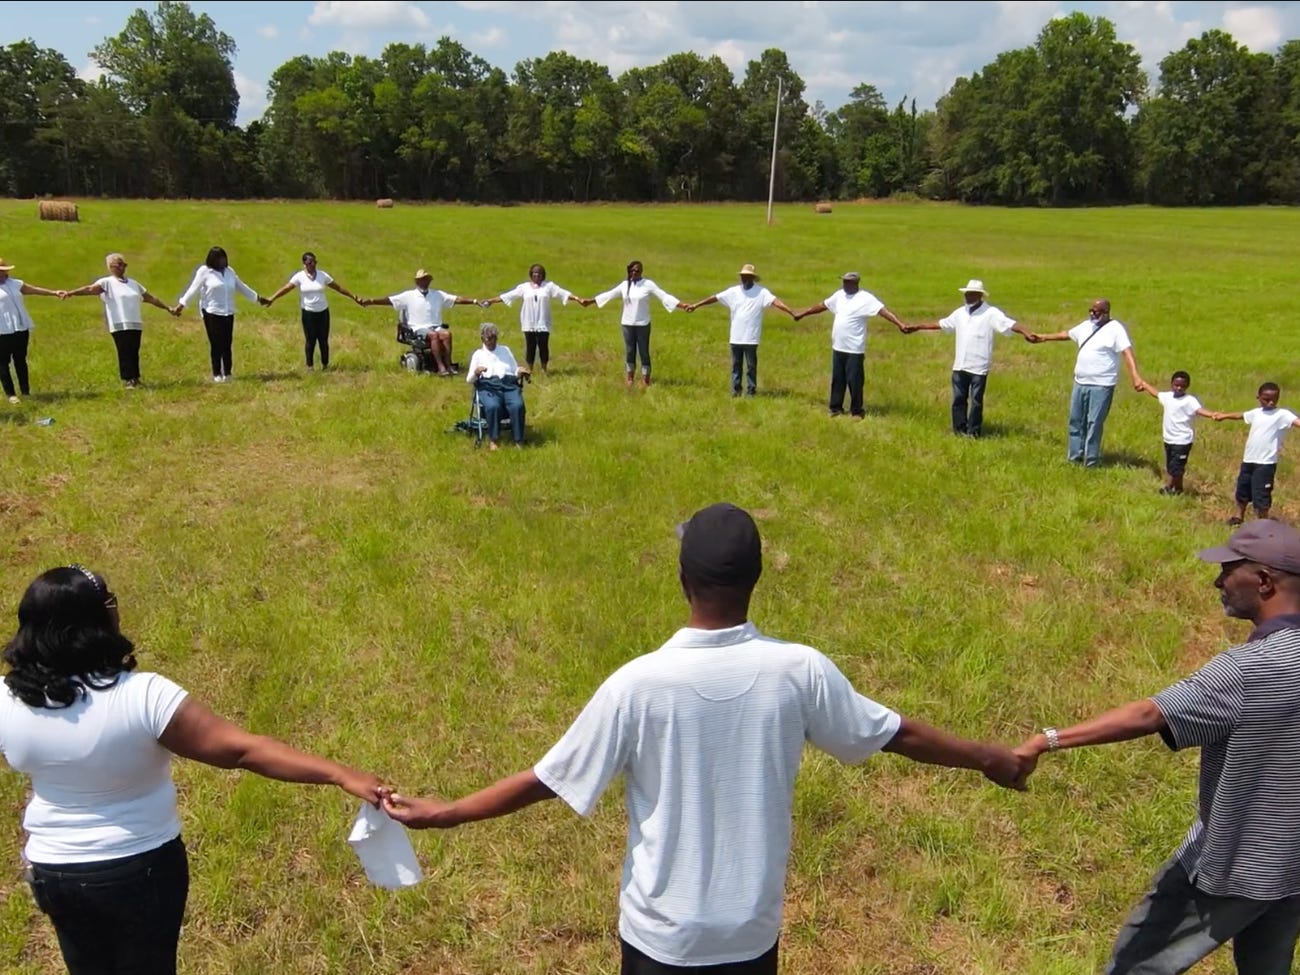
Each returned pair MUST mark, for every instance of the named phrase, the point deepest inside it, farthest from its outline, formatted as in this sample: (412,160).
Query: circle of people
(1103,343)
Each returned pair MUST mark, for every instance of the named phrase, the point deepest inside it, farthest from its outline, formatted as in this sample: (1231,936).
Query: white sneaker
(217,379)
(13,399)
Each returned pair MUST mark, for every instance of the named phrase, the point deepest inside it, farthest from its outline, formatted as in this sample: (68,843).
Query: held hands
(417,813)
(484,303)
(1033,338)
(1008,768)
(264,301)
(61,295)
(364,785)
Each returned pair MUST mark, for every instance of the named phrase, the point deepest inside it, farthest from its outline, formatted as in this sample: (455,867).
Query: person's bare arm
(95,288)
(816,309)
(499,799)
(1229,416)
(1134,720)
(283,290)
(898,323)
(711,299)
(924,743)
(341,290)
(779,305)
(31,289)
(149,299)
(1129,360)
(1028,335)
(369,302)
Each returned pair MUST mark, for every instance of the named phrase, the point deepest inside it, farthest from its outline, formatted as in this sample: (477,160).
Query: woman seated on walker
(496,375)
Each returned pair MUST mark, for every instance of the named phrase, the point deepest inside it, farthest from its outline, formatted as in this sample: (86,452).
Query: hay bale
(822,208)
(58,210)
(384,204)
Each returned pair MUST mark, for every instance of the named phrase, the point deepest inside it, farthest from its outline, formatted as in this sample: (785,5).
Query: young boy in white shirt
(1268,425)
(1181,409)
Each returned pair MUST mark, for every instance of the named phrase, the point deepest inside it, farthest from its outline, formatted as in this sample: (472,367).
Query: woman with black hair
(215,282)
(535,296)
(97,737)
(636,293)
(311,283)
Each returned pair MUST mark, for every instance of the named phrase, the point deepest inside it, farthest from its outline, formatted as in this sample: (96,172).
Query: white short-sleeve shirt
(497,363)
(849,330)
(1097,363)
(746,306)
(708,732)
(535,312)
(1180,411)
(311,291)
(423,309)
(636,297)
(13,310)
(974,329)
(1267,428)
(101,783)
(123,304)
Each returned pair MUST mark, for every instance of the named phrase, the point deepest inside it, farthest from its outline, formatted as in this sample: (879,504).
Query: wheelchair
(418,357)
(476,424)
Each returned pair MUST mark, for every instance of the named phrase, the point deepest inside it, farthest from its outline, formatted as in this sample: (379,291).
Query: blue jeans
(1177,925)
(746,355)
(496,395)
(968,386)
(848,371)
(1088,408)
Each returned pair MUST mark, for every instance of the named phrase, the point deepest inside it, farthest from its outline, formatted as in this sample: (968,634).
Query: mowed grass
(319,558)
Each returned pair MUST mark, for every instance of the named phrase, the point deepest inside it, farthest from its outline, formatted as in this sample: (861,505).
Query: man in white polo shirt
(852,307)
(746,301)
(974,324)
(1102,342)
(422,309)
(708,732)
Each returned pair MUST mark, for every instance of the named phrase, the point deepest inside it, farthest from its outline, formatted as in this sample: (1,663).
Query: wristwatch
(1053,739)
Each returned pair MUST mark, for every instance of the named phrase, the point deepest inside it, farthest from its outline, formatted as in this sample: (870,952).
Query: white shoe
(217,379)
(13,399)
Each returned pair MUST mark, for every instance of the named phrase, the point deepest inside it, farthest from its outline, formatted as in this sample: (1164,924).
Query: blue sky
(913,49)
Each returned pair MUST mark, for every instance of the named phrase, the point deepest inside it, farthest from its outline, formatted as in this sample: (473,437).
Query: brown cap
(1265,541)
(721,547)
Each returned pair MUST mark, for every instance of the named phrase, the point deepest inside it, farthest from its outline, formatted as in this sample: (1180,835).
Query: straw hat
(974,284)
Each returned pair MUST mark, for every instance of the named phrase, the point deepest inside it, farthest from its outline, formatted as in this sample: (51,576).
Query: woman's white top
(13,313)
(216,290)
(101,782)
(497,363)
(535,312)
(311,291)
(636,297)
(123,303)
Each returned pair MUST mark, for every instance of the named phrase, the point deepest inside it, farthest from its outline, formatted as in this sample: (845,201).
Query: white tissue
(384,850)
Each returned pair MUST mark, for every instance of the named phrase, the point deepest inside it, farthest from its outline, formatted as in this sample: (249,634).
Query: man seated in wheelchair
(420,311)
(497,380)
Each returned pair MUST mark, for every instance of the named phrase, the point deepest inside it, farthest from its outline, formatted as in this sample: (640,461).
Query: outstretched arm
(370,302)
(341,290)
(90,289)
(923,327)
(461,300)
(779,305)
(923,743)
(489,302)
(149,299)
(499,799)
(1134,720)
(1029,336)
(1150,390)
(31,289)
(1053,336)
(889,316)
(283,290)
(1229,416)
(816,309)
(711,299)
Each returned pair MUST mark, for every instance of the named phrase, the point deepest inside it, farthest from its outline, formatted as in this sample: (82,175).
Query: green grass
(317,557)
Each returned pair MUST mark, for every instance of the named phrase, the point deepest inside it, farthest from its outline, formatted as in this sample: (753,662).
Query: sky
(905,49)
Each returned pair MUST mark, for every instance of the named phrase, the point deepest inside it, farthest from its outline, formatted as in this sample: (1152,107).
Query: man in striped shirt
(1236,875)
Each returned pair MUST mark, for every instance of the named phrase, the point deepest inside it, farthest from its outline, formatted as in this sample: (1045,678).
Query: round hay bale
(384,204)
(822,208)
(58,210)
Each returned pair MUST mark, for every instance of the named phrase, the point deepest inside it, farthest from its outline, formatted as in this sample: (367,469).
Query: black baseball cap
(1264,541)
(721,547)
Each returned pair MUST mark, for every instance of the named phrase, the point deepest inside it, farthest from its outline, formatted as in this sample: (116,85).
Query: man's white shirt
(423,309)
(746,306)
(849,330)
(974,329)
(1097,363)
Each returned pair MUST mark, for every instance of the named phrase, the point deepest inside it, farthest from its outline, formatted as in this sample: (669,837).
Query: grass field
(319,558)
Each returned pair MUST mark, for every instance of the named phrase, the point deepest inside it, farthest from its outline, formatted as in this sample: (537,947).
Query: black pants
(639,963)
(128,354)
(636,341)
(748,356)
(221,339)
(535,343)
(316,331)
(968,387)
(14,346)
(1255,485)
(848,371)
(117,916)
(1176,455)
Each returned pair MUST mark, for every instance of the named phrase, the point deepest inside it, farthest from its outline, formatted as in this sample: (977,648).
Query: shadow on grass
(68,396)
(1130,461)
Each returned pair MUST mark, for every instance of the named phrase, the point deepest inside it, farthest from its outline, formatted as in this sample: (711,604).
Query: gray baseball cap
(1265,541)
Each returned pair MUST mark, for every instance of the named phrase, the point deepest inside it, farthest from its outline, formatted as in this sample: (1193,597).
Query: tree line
(1070,120)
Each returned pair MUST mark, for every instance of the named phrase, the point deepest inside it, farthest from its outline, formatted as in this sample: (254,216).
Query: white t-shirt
(423,309)
(101,783)
(216,290)
(13,311)
(849,330)
(1180,411)
(746,305)
(975,328)
(311,291)
(636,297)
(1098,361)
(708,732)
(498,362)
(123,309)
(1267,428)
(535,312)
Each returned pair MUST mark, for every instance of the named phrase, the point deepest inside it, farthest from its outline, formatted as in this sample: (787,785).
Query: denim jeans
(968,386)
(1176,925)
(1088,408)
(848,371)
(116,917)
(746,355)
(496,395)
(636,341)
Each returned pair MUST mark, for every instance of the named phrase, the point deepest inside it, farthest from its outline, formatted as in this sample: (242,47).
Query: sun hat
(5,265)
(748,269)
(721,547)
(1267,542)
(422,273)
(974,284)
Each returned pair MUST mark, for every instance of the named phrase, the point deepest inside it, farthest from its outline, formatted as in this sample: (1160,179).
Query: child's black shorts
(1176,458)
(1255,485)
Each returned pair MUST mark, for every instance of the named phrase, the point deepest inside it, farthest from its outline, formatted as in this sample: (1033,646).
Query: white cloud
(492,37)
(90,72)
(268,32)
(373,15)
(252,97)
(1259,28)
